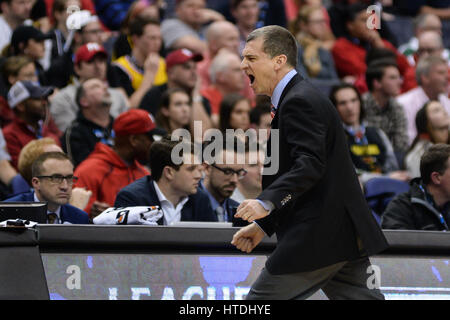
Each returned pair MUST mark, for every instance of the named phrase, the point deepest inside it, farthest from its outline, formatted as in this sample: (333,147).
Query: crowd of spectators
(92,93)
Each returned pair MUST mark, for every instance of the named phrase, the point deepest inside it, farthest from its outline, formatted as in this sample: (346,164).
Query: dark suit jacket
(68,212)
(142,193)
(319,206)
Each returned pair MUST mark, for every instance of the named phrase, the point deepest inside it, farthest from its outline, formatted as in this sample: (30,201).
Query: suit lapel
(155,199)
(297,78)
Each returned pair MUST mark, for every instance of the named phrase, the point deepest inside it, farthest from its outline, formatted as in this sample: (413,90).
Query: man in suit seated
(173,187)
(52,183)
(426,205)
(223,174)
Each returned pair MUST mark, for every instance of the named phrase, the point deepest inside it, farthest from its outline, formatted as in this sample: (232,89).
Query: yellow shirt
(136,75)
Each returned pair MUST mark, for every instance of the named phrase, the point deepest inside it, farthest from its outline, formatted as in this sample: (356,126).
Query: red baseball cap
(133,121)
(87,51)
(181,56)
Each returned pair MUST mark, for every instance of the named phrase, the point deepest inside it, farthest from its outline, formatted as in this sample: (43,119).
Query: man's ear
(280,61)
(20,107)
(35,182)
(435,178)
(168,173)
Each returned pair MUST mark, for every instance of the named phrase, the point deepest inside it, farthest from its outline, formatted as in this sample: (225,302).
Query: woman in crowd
(16,68)
(175,111)
(234,113)
(370,149)
(432,122)
(315,41)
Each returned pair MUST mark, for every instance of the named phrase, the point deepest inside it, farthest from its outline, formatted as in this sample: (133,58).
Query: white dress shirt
(171,213)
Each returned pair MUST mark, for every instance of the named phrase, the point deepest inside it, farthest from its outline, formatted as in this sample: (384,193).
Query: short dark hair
(276,41)
(353,10)
(379,53)
(434,160)
(375,70)
(137,26)
(37,167)
(345,85)
(161,155)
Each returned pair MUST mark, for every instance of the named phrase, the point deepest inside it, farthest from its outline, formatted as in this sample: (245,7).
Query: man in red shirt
(29,102)
(109,169)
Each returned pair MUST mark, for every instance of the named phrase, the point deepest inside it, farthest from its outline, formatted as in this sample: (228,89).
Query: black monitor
(32,211)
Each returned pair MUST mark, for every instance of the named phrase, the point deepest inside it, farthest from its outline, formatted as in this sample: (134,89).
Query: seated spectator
(90,62)
(29,41)
(29,103)
(172,187)
(245,14)
(93,123)
(14,14)
(422,23)
(29,153)
(426,205)
(315,42)
(181,73)
(375,54)
(220,34)
(250,186)
(349,52)
(32,150)
(185,30)
(431,43)
(141,9)
(370,149)
(175,111)
(109,169)
(222,176)
(432,77)
(59,30)
(234,113)
(15,68)
(90,31)
(261,118)
(52,183)
(7,172)
(382,110)
(338,12)
(432,123)
(226,77)
(143,68)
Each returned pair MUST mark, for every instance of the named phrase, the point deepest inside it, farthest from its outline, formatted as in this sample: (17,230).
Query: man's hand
(251,210)
(247,238)
(98,207)
(80,197)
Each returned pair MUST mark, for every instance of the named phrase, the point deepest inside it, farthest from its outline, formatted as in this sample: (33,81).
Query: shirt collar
(162,198)
(57,212)
(213,201)
(277,92)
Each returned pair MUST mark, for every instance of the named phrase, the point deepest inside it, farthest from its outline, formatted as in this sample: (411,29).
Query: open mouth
(252,78)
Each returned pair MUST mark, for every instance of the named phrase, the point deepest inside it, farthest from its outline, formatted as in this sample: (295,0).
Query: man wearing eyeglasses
(221,180)
(52,183)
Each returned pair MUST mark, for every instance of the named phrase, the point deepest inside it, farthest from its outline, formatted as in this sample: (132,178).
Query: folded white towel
(130,215)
